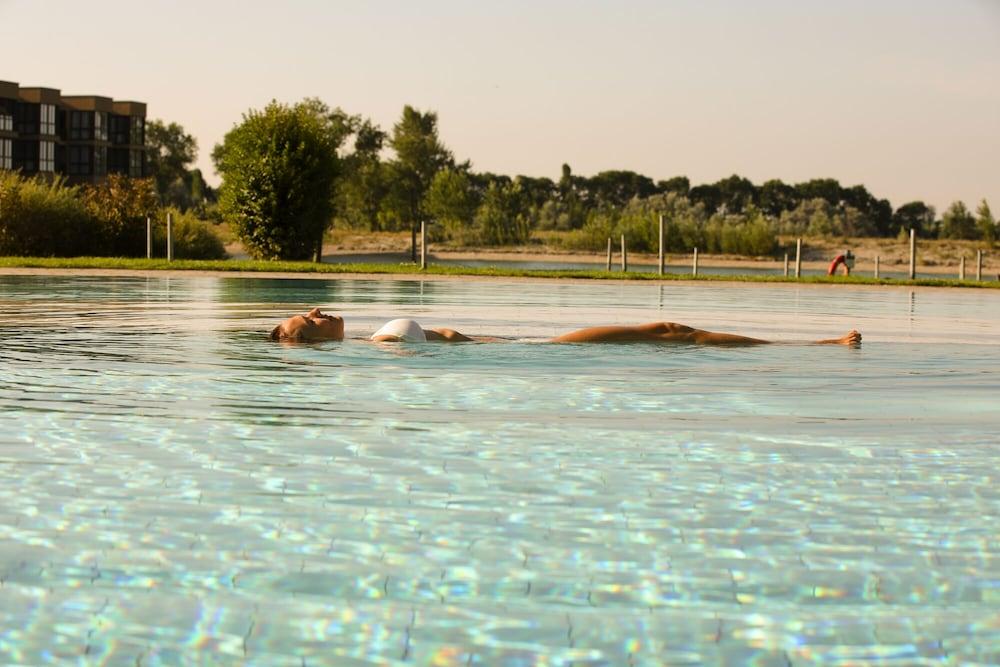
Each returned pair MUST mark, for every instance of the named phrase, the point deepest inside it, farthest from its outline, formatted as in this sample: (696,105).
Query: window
(6,156)
(79,125)
(79,159)
(119,129)
(135,164)
(6,122)
(48,119)
(100,160)
(46,156)
(138,130)
(100,126)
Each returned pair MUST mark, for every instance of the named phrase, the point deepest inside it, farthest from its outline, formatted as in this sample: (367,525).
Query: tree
(678,184)
(419,156)
(913,215)
(364,185)
(451,202)
(775,197)
(985,222)
(957,223)
(498,220)
(170,151)
(279,168)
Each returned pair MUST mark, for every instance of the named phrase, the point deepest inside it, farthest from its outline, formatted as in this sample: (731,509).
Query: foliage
(451,202)
(985,222)
(913,215)
(958,223)
(364,185)
(279,168)
(498,220)
(419,156)
(193,238)
(38,217)
(119,207)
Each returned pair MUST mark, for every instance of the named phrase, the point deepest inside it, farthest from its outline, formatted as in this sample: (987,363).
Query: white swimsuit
(405,330)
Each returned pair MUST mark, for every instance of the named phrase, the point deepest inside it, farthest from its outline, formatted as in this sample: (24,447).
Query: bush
(193,238)
(119,207)
(43,218)
(278,168)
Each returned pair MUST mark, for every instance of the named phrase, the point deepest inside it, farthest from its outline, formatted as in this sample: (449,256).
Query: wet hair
(276,333)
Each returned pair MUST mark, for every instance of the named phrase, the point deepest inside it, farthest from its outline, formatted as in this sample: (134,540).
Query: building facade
(84,137)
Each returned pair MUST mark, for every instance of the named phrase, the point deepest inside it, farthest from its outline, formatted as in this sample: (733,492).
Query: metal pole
(979,265)
(694,269)
(798,258)
(423,245)
(913,253)
(961,269)
(624,256)
(149,238)
(877,258)
(661,244)
(786,264)
(413,243)
(170,237)
(609,253)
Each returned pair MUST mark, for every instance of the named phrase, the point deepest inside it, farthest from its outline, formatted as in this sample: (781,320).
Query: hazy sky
(900,95)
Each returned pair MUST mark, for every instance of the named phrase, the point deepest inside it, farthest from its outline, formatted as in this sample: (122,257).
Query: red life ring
(837,261)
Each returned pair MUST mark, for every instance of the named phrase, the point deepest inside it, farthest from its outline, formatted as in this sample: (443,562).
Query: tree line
(291,171)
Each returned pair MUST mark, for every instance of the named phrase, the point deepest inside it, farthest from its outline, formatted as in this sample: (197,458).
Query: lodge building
(84,137)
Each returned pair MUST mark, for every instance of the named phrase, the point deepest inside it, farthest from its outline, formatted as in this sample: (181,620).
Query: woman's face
(312,326)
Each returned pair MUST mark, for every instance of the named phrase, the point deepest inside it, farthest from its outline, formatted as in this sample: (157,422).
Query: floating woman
(318,326)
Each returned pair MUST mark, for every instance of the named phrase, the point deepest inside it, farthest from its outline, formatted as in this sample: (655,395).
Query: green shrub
(43,218)
(118,207)
(193,238)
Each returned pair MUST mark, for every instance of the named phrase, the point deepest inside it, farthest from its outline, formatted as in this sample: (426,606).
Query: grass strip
(253,266)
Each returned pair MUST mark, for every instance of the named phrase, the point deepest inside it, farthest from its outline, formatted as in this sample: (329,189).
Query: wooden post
(913,253)
(694,268)
(786,264)
(170,237)
(609,253)
(877,258)
(624,256)
(149,237)
(961,269)
(423,245)
(662,239)
(979,265)
(798,258)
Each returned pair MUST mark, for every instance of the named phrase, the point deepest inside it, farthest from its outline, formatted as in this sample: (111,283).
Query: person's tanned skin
(668,332)
(316,326)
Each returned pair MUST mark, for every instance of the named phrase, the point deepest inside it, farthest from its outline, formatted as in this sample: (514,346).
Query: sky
(902,96)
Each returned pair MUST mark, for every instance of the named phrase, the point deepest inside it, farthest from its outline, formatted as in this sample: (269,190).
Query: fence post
(170,237)
(661,244)
(624,256)
(694,269)
(961,269)
(423,245)
(786,264)
(798,258)
(913,253)
(877,258)
(149,238)
(979,265)
(609,253)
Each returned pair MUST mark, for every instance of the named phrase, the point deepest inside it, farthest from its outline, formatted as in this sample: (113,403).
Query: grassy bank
(252,266)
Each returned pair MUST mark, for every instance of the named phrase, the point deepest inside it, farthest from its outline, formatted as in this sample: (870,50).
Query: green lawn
(434,270)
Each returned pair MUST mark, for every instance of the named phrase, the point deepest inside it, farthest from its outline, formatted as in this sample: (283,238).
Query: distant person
(845,259)
(317,326)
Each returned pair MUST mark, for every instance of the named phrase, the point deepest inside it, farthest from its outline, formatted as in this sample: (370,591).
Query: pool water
(177,489)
